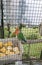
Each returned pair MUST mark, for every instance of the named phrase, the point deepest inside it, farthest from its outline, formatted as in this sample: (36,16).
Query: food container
(13,57)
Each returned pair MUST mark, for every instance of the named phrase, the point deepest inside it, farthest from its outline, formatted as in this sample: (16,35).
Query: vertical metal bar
(22,7)
(2,24)
(8,26)
(41,55)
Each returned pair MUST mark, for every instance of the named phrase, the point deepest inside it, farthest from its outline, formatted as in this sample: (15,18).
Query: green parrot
(19,34)
(21,37)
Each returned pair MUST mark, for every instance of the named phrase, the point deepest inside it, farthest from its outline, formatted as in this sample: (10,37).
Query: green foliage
(36,31)
(35,27)
(21,25)
(5,29)
(41,55)
(29,33)
(13,35)
(34,50)
(33,36)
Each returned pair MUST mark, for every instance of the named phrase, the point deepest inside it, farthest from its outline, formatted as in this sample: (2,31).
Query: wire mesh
(29,13)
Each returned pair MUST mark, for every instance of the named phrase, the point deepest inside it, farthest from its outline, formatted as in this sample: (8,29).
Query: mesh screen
(29,13)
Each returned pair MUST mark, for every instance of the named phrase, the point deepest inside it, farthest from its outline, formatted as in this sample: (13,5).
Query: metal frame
(2,24)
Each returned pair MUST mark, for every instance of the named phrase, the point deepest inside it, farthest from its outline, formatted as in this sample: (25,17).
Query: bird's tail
(24,40)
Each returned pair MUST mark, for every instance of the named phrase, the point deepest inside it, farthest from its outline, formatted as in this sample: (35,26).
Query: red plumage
(16,31)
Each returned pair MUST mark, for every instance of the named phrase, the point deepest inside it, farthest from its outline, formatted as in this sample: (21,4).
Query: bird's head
(16,31)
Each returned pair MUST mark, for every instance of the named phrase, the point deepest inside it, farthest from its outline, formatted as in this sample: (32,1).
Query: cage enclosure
(29,14)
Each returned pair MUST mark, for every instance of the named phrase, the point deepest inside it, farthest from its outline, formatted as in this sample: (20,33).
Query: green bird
(21,37)
(19,34)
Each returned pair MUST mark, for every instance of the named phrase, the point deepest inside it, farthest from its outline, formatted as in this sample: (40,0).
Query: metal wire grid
(23,11)
(16,11)
(28,13)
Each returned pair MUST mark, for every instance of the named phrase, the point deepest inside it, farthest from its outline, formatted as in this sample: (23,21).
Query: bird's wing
(21,37)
